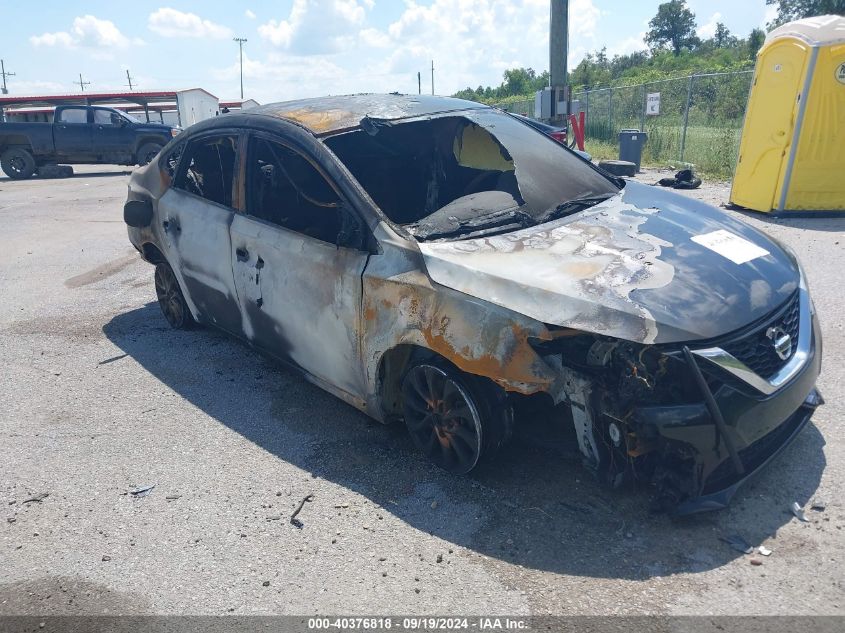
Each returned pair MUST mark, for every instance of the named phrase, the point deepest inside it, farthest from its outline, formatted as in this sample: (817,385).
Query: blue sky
(300,48)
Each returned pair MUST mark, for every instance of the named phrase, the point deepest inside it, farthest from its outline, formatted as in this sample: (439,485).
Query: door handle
(242,254)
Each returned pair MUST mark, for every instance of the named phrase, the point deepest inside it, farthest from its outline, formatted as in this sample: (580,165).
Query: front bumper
(761,420)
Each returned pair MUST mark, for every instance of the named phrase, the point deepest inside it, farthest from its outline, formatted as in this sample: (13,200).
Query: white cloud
(317,26)
(86,31)
(584,17)
(332,46)
(628,45)
(249,14)
(770,15)
(708,30)
(374,38)
(169,22)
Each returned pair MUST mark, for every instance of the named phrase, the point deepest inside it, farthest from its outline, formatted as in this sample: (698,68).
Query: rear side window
(210,169)
(106,117)
(74,115)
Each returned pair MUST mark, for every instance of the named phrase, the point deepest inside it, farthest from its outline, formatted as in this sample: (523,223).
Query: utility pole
(419,82)
(129,79)
(558,54)
(432,76)
(5,74)
(81,83)
(240,41)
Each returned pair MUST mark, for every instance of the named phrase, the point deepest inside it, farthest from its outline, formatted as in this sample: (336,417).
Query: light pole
(240,41)
(558,53)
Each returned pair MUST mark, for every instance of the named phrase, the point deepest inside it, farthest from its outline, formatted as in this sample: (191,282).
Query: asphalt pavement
(101,398)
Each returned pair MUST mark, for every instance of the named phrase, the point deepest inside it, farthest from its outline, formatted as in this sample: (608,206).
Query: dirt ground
(99,396)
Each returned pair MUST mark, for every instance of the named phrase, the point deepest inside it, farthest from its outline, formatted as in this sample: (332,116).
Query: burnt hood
(647,265)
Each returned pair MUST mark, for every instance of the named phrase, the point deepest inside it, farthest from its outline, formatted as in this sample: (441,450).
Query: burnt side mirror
(138,213)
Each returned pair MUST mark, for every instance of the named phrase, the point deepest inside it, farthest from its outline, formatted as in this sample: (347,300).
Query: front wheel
(170,298)
(18,163)
(456,420)
(147,153)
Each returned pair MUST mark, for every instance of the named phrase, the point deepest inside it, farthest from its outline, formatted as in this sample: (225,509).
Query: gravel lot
(100,396)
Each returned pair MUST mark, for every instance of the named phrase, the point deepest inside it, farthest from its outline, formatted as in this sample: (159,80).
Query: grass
(712,150)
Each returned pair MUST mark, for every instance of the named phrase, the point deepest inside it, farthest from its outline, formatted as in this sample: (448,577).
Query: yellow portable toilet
(792,152)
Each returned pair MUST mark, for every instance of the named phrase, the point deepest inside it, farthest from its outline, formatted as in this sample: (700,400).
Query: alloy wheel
(442,419)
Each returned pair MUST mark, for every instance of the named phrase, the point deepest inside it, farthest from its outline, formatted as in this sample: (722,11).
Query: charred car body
(441,262)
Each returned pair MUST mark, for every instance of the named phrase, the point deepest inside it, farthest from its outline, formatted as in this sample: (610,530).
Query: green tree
(722,38)
(674,25)
(755,42)
(789,10)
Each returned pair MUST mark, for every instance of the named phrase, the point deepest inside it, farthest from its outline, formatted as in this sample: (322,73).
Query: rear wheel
(170,298)
(148,152)
(454,419)
(18,163)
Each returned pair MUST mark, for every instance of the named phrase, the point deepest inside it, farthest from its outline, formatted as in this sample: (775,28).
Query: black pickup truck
(80,134)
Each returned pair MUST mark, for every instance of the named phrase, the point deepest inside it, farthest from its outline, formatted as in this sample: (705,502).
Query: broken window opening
(463,176)
(210,170)
(170,162)
(287,190)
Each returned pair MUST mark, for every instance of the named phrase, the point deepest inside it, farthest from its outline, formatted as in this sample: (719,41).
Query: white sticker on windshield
(733,247)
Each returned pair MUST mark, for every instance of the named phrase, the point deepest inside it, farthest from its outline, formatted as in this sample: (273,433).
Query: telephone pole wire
(240,41)
(81,83)
(5,74)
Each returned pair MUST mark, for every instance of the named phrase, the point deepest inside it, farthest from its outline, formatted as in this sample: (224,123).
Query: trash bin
(631,144)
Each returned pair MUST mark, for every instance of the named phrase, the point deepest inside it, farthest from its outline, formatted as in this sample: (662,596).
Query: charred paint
(578,272)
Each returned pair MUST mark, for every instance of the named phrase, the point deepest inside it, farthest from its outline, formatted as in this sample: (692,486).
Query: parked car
(80,134)
(557,133)
(437,261)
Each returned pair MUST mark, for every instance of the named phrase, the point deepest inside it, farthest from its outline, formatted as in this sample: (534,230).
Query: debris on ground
(36,498)
(293,520)
(143,491)
(738,543)
(684,179)
(764,551)
(798,511)
(818,504)
(173,497)
(756,562)
(106,558)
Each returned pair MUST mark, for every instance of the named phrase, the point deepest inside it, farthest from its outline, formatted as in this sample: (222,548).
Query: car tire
(17,163)
(148,152)
(458,421)
(619,167)
(170,298)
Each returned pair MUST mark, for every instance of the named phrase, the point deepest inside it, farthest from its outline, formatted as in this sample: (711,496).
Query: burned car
(441,262)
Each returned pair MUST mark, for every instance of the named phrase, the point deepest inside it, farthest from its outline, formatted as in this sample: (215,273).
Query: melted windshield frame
(414,167)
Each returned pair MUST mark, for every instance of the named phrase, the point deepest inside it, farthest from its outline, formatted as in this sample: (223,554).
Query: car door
(193,218)
(112,136)
(72,135)
(299,287)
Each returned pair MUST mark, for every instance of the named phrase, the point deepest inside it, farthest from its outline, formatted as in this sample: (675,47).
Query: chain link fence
(699,119)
